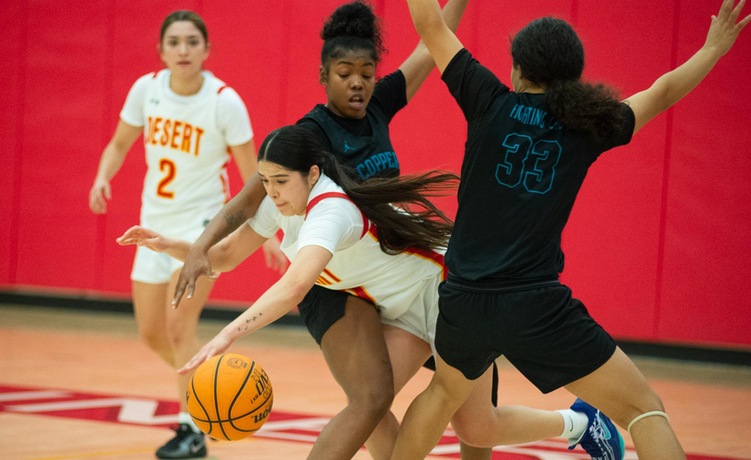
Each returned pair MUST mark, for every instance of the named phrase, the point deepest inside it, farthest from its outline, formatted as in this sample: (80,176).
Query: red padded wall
(657,245)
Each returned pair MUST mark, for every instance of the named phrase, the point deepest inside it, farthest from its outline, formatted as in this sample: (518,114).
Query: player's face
(183,49)
(289,190)
(349,81)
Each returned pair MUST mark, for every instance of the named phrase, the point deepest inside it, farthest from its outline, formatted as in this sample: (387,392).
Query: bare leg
(429,414)
(407,354)
(150,308)
(621,392)
(356,354)
(182,324)
(480,423)
(474,453)
(171,333)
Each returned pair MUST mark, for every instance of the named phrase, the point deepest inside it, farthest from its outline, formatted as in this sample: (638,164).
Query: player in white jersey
(345,235)
(192,125)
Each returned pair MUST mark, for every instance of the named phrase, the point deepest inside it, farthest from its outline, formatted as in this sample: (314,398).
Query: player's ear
(322,74)
(314,174)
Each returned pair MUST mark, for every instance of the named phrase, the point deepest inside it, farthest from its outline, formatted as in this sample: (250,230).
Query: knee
(647,401)
(373,402)
(178,333)
(470,431)
(157,342)
(153,338)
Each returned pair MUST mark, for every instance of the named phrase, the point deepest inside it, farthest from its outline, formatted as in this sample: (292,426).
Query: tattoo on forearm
(252,319)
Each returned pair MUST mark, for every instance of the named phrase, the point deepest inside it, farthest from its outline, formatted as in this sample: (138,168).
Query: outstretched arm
(280,298)
(224,256)
(241,207)
(672,86)
(434,31)
(418,65)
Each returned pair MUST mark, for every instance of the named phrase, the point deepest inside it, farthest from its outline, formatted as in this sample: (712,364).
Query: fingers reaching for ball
(216,346)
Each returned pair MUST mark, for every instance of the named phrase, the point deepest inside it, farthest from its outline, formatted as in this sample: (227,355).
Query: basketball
(229,397)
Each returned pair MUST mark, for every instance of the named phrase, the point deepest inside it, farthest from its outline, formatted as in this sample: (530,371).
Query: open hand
(142,236)
(725,27)
(216,346)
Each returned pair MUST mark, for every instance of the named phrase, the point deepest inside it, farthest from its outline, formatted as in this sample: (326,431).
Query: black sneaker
(186,444)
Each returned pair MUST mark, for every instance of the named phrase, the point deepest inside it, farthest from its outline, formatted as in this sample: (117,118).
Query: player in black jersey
(354,125)
(527,152)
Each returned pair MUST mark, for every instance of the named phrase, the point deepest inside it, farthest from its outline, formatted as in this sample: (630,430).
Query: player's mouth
(357,101)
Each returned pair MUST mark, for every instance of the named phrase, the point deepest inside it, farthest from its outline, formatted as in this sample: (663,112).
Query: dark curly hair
(352,27)
(548,52)
(424,226)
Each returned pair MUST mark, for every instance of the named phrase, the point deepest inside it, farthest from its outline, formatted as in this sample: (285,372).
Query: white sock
(574,424)
(184,417)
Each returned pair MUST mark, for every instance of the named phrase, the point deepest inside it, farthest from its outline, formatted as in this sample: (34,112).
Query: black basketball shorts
(321,308)
(544,332)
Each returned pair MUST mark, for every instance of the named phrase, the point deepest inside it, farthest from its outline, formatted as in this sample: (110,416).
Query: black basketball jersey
(521,173)
(365,144)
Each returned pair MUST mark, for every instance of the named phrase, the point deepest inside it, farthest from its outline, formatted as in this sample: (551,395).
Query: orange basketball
(229,397)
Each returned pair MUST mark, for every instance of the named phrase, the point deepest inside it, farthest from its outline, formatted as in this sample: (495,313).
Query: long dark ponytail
(548,52)
(423,226)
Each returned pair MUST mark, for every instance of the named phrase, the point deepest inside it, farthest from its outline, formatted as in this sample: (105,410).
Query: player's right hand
(142,236)
(275,258)
(196,264)
(98,195)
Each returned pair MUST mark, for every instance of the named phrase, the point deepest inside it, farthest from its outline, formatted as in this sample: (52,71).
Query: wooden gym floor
(80,385)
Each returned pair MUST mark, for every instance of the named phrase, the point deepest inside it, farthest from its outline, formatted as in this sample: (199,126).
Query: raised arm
(672,86)
(419,64)
(280,298)
(241,207)
(434,31)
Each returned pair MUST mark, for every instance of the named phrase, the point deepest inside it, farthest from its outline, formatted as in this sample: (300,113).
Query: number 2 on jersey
(169,169)
(531,164)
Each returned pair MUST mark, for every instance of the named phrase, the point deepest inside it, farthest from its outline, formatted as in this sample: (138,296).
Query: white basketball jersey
(186,146)
(358,265)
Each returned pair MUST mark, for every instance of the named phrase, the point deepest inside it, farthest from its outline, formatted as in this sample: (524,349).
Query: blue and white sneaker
(601,439)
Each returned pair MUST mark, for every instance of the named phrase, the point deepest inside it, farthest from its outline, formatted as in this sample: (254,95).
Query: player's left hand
(725,27)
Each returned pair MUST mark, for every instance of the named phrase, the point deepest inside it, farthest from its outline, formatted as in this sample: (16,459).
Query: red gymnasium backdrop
(658,243)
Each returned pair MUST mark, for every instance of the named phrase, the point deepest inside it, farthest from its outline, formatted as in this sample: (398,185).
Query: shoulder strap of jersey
(322,196)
